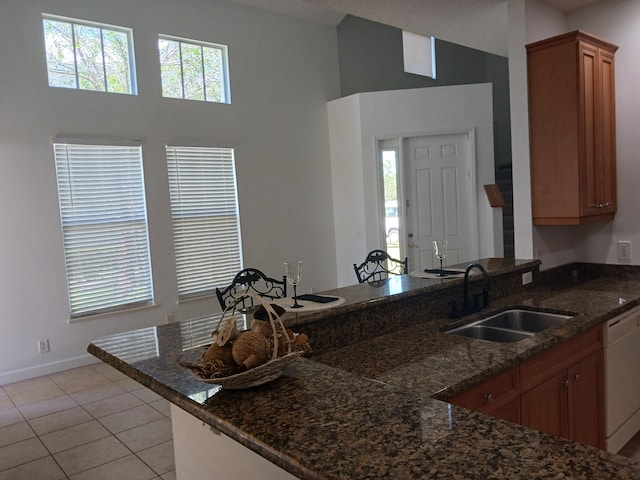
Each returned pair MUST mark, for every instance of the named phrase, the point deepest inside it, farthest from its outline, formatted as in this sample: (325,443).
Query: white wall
(283,71)
(359,120)
(619,22)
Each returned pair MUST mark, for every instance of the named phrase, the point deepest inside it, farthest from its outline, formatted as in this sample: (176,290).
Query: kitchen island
(371,401)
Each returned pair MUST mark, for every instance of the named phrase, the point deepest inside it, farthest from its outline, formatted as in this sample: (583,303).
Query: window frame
(190,259)
(225,87)
(107,226)
(102,26)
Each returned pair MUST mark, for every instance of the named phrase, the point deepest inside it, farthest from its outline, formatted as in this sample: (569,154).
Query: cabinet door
(544,407)
(607,132)
(588,143)
(586,401)
(597,131)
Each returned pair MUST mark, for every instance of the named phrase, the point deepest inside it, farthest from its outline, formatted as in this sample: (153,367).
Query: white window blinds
(206,224)
(104,226)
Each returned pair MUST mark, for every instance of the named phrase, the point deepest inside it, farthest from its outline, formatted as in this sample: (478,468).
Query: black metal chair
(378,266)
(251,280)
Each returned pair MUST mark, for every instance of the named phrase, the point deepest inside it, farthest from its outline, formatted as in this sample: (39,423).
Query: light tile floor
(87,423)
(94,423)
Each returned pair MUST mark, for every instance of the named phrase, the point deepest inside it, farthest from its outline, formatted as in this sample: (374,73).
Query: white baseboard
(46,369)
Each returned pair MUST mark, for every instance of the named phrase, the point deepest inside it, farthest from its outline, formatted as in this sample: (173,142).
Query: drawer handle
(488,397)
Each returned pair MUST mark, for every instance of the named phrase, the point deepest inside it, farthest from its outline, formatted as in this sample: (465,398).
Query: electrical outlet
(527,278)
(624,250)
(43,345)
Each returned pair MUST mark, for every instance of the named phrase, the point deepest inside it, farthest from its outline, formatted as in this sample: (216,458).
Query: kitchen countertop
(375,409)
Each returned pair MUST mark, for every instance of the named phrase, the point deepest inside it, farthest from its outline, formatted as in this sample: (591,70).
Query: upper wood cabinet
(572,129)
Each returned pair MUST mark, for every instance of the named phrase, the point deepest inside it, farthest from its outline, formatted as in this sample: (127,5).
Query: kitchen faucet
(467,308)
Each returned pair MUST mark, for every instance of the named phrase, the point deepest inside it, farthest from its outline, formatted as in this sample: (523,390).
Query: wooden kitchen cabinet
(559,391)
(572,129)
(563,390)
(544,407)
(498,396)
(586,401)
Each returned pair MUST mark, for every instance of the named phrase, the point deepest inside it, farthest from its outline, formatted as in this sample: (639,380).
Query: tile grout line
(91,416)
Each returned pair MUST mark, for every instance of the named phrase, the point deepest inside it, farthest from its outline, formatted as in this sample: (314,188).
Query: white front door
(440,192)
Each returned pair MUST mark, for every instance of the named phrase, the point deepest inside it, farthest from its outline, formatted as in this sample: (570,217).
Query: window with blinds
(206,220)
(104,226)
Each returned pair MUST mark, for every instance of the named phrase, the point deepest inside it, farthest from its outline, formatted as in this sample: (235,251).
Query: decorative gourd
(250,349)
(219,360)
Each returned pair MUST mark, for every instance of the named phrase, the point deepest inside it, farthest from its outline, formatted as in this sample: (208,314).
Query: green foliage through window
(88,56)
(193,71)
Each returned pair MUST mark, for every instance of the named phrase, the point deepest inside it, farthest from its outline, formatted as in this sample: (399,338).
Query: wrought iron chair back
(251,280)
(378,266)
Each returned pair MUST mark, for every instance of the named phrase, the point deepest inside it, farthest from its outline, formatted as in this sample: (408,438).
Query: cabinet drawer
(549,363)
(494,391)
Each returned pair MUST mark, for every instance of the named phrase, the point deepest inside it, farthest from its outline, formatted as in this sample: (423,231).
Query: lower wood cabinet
(586,401)
(498,396)
(563,390)
(560,391)
(544,407)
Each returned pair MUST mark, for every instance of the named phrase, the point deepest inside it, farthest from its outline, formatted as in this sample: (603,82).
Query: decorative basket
(282,350)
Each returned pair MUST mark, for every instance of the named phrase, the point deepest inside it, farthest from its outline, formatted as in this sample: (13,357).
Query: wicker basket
(257,375)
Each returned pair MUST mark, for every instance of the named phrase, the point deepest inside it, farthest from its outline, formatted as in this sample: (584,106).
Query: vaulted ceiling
(480,24)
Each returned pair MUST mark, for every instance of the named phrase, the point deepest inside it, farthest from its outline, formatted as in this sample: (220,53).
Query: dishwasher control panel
(621,326)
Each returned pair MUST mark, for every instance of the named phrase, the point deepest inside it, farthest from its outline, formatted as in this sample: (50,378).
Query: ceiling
(480,24)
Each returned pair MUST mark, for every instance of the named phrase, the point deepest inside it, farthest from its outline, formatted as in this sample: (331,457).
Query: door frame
(398,141)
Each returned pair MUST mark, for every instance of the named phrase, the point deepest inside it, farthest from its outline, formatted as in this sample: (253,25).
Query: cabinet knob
(576,376)
(565,382)
(488,397)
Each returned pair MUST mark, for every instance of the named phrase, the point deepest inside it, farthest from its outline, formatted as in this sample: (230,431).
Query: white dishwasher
(622,379)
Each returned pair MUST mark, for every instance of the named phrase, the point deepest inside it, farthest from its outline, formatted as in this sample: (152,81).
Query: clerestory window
(193,70)
(89,56)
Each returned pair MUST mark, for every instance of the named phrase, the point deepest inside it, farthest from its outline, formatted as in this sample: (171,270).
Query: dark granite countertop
(374,409)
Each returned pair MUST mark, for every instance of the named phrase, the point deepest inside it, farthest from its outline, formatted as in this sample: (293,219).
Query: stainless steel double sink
(511,325)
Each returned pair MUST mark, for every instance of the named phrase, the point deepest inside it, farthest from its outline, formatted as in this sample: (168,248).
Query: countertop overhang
(374,408)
